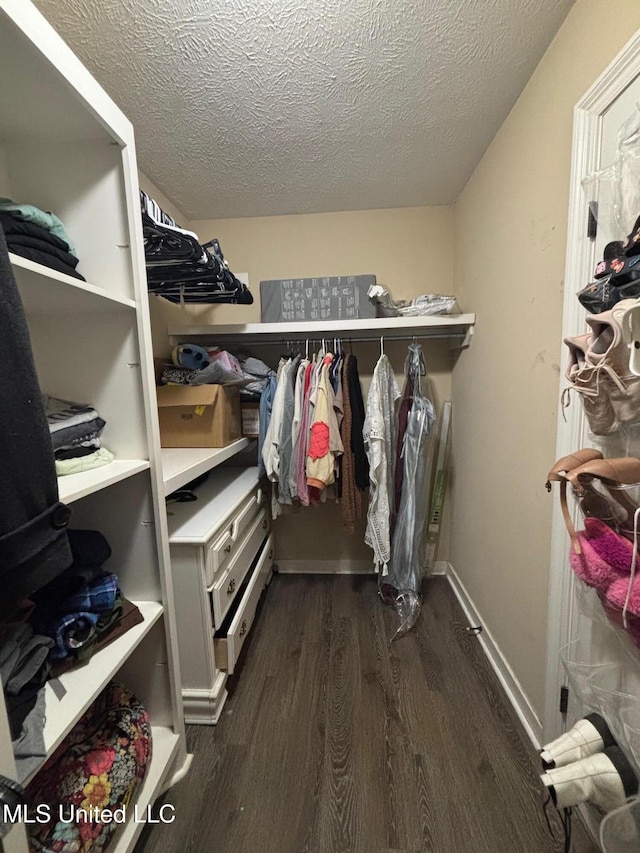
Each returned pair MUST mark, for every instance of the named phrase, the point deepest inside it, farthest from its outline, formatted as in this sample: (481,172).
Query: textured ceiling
(259,107)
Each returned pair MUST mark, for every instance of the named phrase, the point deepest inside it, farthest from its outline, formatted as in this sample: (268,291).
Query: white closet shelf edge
(450,324)
(165,745)
(47,291)
(72,487)
(69,696)
(180,465)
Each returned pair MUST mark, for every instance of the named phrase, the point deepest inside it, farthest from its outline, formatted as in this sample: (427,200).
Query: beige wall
(410,250)
(510,233)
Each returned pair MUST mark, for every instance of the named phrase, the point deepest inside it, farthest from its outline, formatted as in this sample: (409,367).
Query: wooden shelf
(72,487)
(165,745)
(448,326)
(180,465)
(47,291)
(68,697)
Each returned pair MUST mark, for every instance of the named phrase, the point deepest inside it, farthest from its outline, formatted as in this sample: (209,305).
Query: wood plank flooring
(334,740)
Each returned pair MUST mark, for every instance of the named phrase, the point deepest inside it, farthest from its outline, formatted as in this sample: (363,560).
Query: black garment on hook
(34,547)
(361,463)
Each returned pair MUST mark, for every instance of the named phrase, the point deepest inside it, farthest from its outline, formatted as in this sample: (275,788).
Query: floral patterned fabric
(99,765)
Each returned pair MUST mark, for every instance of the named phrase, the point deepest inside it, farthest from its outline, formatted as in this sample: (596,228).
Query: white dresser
(221,559)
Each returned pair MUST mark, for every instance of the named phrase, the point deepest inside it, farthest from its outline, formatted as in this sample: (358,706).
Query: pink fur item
(614,549)
(616,594)
(589,567)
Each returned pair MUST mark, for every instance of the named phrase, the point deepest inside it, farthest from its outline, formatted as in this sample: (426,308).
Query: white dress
(380,431)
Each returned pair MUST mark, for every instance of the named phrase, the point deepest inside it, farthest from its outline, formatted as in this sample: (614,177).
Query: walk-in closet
(320,514)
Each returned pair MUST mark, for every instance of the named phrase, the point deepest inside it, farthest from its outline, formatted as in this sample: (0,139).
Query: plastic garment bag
(613,192)
(407,551)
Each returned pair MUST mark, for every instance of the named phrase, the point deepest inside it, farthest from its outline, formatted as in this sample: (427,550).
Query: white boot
(588,736)
(605,779)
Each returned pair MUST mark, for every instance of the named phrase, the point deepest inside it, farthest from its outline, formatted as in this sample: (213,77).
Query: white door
(602,665)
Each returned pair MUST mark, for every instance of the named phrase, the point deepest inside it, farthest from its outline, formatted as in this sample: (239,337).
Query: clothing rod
(264,339)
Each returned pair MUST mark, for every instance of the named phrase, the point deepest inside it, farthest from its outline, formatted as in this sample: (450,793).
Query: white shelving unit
(66,147)
(453,326)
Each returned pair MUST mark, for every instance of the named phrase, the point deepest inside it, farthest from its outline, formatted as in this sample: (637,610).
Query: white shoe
(605,779)
(588,736)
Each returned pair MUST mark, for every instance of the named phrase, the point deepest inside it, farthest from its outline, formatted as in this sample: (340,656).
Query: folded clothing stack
(82,603)
(62,624)
(24,669)
(182,270)
(75,434)
(195,365)
(38,236)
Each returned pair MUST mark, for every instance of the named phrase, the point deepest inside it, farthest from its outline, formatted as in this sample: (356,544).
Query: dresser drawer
(223,548)
(228,642)
(227,584)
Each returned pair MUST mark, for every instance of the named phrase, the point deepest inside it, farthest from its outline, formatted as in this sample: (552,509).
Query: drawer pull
(243,628)
(270,555)
(227,550)
(232,586)
(231,529)
(264,524)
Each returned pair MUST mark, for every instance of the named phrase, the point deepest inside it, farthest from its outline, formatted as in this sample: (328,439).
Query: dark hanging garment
(361,463)
(33,522)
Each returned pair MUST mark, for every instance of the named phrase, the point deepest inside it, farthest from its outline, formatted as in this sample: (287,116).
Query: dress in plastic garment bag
(407,563)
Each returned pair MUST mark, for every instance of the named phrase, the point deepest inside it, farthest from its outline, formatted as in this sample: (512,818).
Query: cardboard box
(198,415)
(250,419)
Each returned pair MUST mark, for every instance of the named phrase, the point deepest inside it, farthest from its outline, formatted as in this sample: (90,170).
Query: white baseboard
(325,567)
(506,676)
(341,567)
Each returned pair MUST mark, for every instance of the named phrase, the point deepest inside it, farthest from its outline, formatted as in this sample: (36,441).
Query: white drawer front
(228,583)
(227,649)
(224,546)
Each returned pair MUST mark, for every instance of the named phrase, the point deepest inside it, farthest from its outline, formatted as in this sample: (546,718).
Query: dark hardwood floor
(333,740)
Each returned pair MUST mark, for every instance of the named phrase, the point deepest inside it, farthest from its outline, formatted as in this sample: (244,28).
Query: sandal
(559,474)
(614,474)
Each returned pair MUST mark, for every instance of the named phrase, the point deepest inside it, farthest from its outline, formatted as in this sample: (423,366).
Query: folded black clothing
(204,295)
(42,246)
(12,223)
(71,436)
(77,452)
(92,443)
(89,548)
(164,245)
(185,270)
(47,260)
